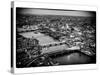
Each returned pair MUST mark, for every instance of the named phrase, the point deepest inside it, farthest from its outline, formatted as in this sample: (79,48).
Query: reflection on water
(73,58)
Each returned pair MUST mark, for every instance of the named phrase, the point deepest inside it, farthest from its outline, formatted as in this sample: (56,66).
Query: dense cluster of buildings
(79,31)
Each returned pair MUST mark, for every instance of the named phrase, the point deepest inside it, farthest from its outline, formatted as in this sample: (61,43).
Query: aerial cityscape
(44,39)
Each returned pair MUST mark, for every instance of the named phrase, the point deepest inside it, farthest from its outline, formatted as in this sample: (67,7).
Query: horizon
(37,11)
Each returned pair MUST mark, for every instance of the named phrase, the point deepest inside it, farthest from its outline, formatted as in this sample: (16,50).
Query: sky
(37,11)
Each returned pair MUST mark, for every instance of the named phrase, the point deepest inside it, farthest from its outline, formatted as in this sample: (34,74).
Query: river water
(73,58)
